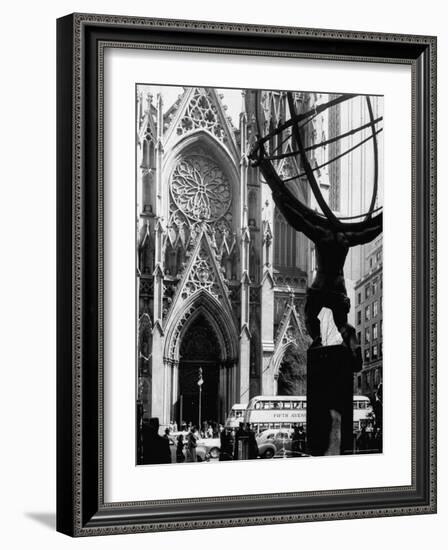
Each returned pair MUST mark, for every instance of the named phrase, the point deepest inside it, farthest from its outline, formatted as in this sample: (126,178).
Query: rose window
(200,188)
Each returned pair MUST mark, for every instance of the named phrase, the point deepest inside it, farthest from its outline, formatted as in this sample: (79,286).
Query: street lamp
(200,382)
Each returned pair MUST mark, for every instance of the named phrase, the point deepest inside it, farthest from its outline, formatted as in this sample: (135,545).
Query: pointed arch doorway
(199,349)
(291,378)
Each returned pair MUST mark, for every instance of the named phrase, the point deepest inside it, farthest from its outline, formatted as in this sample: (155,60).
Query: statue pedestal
(329,415)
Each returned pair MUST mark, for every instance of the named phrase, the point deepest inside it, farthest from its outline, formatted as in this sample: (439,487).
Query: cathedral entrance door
(199,350)
(189,392)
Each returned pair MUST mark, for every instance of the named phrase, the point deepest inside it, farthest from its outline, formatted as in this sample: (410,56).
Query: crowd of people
(234,444)
(156,449)
(208,428)
(186,446)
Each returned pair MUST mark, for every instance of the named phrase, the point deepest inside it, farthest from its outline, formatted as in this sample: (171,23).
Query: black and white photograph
(258,274)
(226,237)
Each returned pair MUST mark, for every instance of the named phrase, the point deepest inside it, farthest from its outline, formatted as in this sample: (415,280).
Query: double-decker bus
(276,411)
(362,412)
(236,415)
(265,412)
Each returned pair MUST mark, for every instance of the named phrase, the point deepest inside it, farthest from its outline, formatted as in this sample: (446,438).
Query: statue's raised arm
(367,233)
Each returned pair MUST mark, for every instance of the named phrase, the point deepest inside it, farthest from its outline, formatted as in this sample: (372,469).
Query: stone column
(244,351)
(223,394)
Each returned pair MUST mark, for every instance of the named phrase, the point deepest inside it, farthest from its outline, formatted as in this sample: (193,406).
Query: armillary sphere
(290,131)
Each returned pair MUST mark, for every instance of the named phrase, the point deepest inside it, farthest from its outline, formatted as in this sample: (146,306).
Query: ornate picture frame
(81,506)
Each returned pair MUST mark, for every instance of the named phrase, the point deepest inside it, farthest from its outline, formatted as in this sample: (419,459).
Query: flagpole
(200,382)
(200,396)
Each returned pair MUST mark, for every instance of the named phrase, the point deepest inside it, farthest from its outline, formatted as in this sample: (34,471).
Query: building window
(375,309)
(375,331)
(367,354)
(377,377)
(359,298)
(381,327)
(358,335)
(359,318)
(374,352)
(367,335)
(285,242)
(374,287)
(367,291)
(367,313)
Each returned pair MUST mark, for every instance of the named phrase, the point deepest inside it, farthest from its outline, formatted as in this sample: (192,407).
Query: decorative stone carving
(201,197)
(201,113)
(287,169)
(200,188)
(202,276)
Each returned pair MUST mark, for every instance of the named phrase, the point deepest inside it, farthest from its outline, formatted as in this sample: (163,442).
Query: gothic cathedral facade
(221,276)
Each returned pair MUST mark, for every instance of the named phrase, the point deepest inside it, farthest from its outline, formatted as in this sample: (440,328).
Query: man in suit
(156,449)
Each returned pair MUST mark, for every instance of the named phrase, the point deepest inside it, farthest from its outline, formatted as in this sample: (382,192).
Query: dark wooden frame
(81,510)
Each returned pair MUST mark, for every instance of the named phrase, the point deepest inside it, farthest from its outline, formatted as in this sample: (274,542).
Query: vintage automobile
(211,446)
(272,442)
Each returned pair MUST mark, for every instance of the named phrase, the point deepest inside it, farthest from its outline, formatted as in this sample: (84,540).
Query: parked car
(210,445)
(273,442)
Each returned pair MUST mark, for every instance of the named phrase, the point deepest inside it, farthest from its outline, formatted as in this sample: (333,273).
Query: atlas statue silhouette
(331,236)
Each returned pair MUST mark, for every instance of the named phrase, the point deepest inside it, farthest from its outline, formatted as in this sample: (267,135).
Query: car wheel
(269,453)
(214,452)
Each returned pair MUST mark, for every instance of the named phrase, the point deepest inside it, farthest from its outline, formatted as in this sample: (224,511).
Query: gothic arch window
(229,266)
(285,242)
(146,257)
(170,260)
(180,259)
(148,157)
(254,263)
(252,208)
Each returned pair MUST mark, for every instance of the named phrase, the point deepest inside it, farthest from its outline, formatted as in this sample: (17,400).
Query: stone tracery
(202,275)
(201,113)
(200,188)
(200,197)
